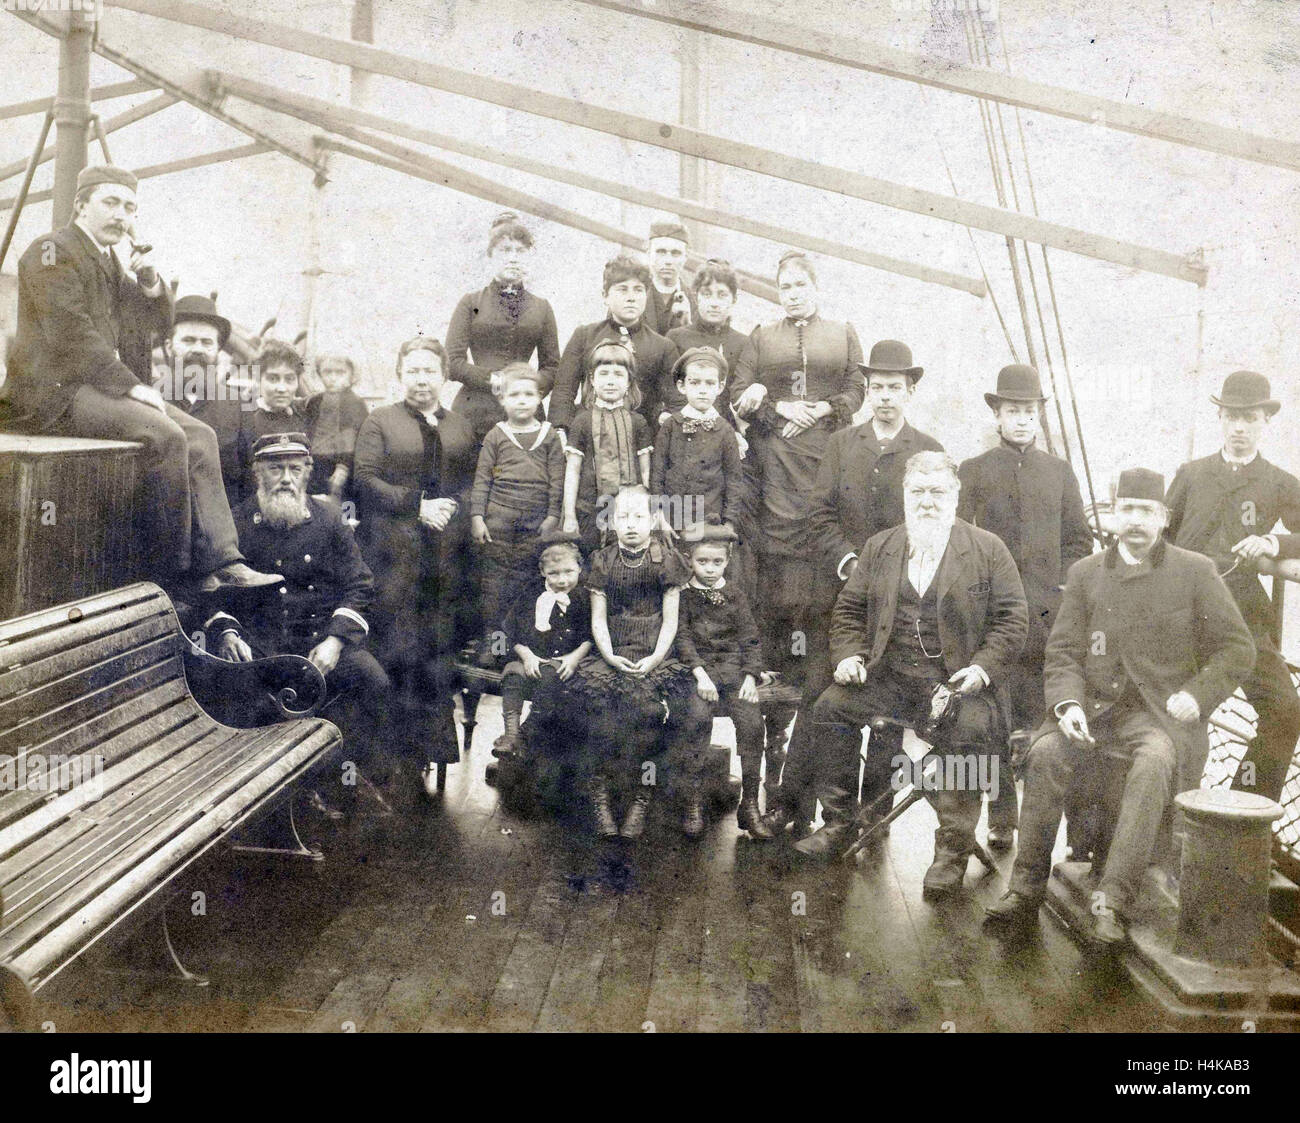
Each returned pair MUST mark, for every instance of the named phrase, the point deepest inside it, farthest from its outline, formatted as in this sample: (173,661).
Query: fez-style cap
(669,230)
(1140,483)
(1016,383)
(701,355)
(106,173)
(889,356)
(202,309)
(1245,389)
(281,444)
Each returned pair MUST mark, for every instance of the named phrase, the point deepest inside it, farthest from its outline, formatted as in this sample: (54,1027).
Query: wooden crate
(68,508)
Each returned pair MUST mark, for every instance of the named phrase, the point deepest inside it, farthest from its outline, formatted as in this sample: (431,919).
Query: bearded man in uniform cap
(1148,641)
(82,368)
(1226,505)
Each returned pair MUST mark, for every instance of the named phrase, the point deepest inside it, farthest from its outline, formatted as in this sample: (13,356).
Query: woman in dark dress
(796,382)
(413,467)
(500,324)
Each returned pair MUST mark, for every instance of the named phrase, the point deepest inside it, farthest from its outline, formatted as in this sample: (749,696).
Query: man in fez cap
(82,368)
(1228,505)
(1030,499)
(1147,643)
(671,304)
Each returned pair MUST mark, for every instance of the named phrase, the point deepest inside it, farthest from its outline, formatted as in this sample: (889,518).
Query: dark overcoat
(82,320)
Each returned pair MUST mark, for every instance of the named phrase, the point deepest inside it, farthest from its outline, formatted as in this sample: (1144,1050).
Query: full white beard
(930,534)
(282,509)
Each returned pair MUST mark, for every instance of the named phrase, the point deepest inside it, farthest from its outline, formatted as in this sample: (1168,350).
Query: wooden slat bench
(101,681)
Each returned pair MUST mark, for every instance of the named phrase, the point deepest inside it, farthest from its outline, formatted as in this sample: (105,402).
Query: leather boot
(949,867)
(775,721)
(600,810)
(838,807)
(749,819)
(634,820)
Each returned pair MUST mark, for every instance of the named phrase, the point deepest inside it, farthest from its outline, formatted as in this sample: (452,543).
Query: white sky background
(400,252)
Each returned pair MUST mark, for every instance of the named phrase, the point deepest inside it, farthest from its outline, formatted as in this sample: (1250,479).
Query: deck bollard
(1224,884)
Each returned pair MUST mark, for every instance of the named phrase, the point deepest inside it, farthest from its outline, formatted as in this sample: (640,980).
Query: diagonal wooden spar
(98,93)
(416,164)
(139,113)
(185,84)
(327,114)
(674,137)
(977,81)
(239,152)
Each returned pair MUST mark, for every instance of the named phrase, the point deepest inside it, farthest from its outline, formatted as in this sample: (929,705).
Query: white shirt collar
(1129,559)
(605,405)
(696,583)
(699,415)
(1236,459)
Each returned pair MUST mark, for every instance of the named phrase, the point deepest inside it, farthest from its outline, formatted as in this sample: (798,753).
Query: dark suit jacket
(1211,508)
(1030,499)
(858,494)
(81,321)
(1165,626)
(982,613)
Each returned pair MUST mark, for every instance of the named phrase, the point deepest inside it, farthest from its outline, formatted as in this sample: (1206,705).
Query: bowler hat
(281,444)
(202,309)
(701,355)
(96,174)
(1244,389)
(1140,483)
(1016,383)
(891,357)
(669,230)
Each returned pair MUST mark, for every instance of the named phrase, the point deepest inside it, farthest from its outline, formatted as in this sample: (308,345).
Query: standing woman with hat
(500,324)
(1227,505)
(796,382)
(1030,499)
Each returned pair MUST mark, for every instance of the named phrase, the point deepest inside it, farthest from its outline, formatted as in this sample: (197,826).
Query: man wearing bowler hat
(1030,499)
(199,334)
(82,368)
(670,304)
(1148,641)
(858,493)
(1227,505)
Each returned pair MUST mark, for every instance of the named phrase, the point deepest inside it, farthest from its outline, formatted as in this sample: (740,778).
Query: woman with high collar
(498,325)
(797,381)
(413,468)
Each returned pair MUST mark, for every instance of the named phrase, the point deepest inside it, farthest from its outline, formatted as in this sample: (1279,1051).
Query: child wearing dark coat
(516,498)
(608,446)
(549,629)
(719,640)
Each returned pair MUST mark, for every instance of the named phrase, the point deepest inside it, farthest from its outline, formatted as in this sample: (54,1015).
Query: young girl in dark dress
(609,444)
(549,628)
(641,700)
(338,414)
(516,499)
(500,324)
(718,639)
